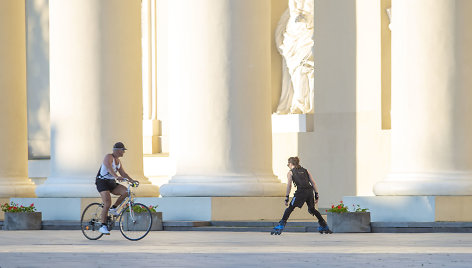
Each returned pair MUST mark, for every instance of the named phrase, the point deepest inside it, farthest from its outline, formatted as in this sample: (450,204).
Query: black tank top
(301,179)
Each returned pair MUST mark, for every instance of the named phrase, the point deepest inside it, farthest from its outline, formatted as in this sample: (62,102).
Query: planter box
(22,221)
(349,222)
(156,222)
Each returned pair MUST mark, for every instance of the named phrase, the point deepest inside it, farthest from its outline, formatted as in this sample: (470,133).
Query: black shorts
(105,185)
(301,196)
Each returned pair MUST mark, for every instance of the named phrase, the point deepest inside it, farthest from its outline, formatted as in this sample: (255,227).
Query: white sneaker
(113,212)
(104,230)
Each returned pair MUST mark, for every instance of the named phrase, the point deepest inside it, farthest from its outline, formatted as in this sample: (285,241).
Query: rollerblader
(305,184)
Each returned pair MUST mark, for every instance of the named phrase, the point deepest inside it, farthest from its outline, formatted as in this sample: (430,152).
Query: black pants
(301,197)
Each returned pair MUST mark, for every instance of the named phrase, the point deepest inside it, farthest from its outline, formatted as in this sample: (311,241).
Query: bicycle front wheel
(135,221)
(90,221)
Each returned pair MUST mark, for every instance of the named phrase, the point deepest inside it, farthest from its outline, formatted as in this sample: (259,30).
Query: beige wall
(329,152)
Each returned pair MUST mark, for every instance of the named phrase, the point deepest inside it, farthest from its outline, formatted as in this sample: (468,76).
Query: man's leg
(122,192)
(106,199)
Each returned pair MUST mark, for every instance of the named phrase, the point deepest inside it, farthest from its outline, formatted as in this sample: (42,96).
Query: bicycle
(134,219)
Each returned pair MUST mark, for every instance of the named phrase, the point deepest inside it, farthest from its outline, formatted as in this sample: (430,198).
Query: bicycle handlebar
(133,184)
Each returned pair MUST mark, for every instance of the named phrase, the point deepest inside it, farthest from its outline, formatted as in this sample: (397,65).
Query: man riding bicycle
(106,183)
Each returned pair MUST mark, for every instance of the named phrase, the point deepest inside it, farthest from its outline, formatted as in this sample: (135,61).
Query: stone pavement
(235,249)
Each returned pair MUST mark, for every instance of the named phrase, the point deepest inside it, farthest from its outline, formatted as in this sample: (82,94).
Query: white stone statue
(294,40)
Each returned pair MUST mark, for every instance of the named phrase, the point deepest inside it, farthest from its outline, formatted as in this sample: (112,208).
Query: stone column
(219,81)
(14,181)
(96,96)
(431,99)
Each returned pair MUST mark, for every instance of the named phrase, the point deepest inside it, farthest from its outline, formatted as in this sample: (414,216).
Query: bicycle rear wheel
(90,221)
(135,222)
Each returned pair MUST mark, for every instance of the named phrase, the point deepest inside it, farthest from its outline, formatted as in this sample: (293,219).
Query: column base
(85,188)
(223,186)
(425,184)
(414,208)
(15,187)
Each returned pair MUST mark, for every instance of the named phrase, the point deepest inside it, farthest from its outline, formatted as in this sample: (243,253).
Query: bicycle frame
(121,207)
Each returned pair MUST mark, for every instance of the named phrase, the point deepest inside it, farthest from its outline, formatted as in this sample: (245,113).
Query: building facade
(191,87)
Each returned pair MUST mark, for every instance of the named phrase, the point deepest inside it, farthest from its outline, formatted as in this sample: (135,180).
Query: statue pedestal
(283,123)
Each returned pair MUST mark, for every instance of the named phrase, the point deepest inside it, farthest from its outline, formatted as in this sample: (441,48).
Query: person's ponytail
(294,160)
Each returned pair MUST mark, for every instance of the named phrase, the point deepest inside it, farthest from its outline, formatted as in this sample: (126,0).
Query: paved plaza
(235,249)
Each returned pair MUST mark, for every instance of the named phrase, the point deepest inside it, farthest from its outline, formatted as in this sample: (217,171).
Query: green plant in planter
(14,208)
(140,209)
(358,208)
(153,208)
(341,208)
